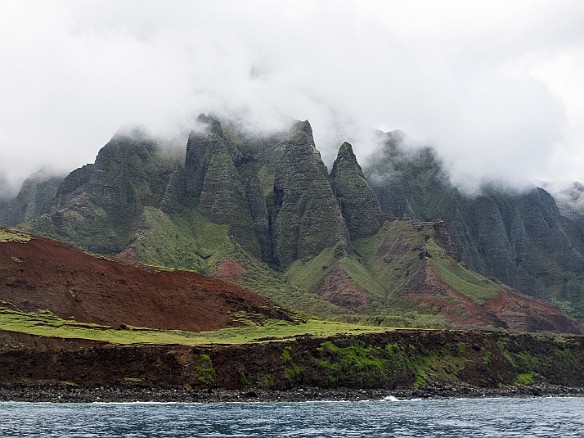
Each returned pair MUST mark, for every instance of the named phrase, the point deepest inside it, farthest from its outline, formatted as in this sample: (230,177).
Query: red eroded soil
(338,288)
(429,291)
(528,314)
(507,310)
(45,274)
(230,270)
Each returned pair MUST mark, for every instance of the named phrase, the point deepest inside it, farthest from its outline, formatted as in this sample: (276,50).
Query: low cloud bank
(496,88)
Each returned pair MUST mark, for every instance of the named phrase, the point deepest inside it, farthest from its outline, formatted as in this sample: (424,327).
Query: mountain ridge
(267,208)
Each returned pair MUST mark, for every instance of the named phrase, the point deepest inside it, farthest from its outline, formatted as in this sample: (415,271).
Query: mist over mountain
(7,191)
(569,197)
(394,240)
(498,231)
(495,87)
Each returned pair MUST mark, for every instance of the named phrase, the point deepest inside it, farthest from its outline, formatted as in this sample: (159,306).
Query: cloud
(496,86)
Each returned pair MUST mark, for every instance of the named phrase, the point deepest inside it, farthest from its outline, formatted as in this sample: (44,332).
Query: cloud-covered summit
(495,86)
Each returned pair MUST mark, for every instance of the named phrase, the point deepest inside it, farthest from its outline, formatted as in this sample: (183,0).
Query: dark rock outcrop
(358,203)
(431,363)
(221,180)
(519,238)
(34,198)
(306,217)
(96,206)
(273,192)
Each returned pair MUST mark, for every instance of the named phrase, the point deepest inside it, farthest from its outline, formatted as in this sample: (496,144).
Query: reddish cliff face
(44,274)
(508,309)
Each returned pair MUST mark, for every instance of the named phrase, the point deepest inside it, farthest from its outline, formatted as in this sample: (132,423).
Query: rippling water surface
(538,417)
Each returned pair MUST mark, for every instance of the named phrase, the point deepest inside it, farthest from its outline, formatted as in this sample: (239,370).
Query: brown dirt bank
(399,362)
(45,274)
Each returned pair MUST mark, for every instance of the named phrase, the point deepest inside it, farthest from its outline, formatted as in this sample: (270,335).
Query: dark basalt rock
(521,239)
(402,363)
(34,198)
(358,203)
(96,206)
(224,189)
(306,217)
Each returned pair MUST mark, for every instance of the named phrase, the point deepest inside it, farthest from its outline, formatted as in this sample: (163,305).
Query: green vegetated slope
(190,241)
(459,277)
(385,265)
(98,206)
(406,275)
(518,237)
(45,323)
(262,279)
(327,244)
(185,240)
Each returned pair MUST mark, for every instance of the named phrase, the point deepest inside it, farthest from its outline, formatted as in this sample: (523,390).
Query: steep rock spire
(357,201)
(306,217)
(222,190)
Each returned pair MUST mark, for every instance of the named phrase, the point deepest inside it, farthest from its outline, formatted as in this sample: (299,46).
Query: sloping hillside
(262,211)
(520,238)
(42,274)
(407,270)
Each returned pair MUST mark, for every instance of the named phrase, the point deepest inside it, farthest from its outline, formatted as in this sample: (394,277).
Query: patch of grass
(204,369)
(269,283)
(134,380)
(266,180)
(44,323)
(527,361)
(438,366)
(293,370)
(353,363)
(405,318)
(461,347)
(360,275)
(470,283)
(525,379)
(7,235)
(305,274)
(392,258)
(185,241)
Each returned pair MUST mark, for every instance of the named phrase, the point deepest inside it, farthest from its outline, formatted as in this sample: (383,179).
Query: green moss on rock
(358,203)
(306,215)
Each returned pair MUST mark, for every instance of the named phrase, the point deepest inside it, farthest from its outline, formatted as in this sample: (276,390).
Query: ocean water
(495,417)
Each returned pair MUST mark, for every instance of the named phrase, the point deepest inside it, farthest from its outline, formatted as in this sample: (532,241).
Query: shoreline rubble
(65,394)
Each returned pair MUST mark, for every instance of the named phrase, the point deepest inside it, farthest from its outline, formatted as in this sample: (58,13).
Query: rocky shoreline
(70,394)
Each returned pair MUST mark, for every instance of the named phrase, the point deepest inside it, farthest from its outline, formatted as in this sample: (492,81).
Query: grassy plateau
(45,323)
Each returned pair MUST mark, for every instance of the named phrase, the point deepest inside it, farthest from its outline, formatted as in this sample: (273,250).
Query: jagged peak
(132,133)
(358,203)
(346,152)
(301,133)
(397,135)
(346,159)
(203,118)
(127,143)
(207,124)
(304,126)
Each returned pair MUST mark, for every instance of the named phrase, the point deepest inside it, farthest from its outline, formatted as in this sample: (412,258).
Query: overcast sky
(496,86)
